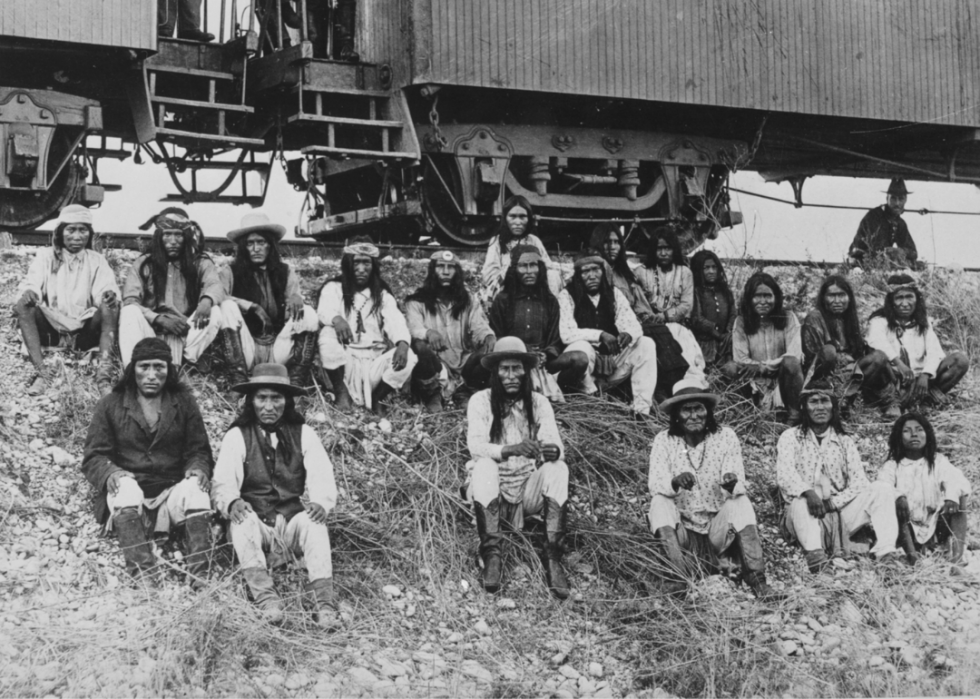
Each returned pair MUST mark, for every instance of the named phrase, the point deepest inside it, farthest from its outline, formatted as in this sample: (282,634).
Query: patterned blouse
(832,465)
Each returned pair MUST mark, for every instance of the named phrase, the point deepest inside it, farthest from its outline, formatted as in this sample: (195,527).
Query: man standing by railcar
(883,230)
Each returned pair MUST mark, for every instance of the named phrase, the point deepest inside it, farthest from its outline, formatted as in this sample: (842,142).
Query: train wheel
(26,210)
(443,200)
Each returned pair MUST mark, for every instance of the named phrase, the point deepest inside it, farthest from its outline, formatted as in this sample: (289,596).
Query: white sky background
(771,230)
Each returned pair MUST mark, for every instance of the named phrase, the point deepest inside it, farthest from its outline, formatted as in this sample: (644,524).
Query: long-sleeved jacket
(533,320)
(803,463)
(462,335)
(119,439)
(175,297)
(880,229)
(265,297)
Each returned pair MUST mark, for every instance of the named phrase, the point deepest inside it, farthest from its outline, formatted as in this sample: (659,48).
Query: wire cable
(921,212)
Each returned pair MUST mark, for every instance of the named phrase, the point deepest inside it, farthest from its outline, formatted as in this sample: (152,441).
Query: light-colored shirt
(515,471)
(717,454)
(768,346)
(635,294)
(926,491)
(495,264)
(626,320)
(923,350)
(831,466)
(175,297)
(670,292)
(229,472)
(462,335)
(71,284)
(388,324)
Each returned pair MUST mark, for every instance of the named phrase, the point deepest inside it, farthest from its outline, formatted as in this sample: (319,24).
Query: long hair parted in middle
(697,271)
(666,234)
(920,316)
(248,417)
(750,318)
(499,401)
(241,269)
(806,423)
(428,293)
(675,429)
(896,450)
(513,284)
(153,270)
(504,235)
(583,306)
(376,282)
(852,324)
(127,381)
(597,241)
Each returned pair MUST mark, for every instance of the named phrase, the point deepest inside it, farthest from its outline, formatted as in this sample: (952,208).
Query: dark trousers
(429,366)
(169,11)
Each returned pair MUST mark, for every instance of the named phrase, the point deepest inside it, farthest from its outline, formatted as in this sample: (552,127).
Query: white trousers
(875,506)
(252,538)
(638,362)
(690,350)
(549,480)
(365,367)
(279,351)
(732,517)
(133,327)
(173,503)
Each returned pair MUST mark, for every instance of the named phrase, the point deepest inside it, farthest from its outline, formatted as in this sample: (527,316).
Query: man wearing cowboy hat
(596,319)
(173,292)
(516,465)
(883,230)
(268,458)
(365,342)
(827,494)
(264,314)
(699,511)
(450,333)
(70,290)
(148,457)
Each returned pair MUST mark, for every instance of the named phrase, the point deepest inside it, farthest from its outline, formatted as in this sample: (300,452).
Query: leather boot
(136,548)
(325,599)
(264,595)
(231,345)
(342,399)
(488,528)
(673,580)
(555,517)
(816,561)
(301,360)
(27,322)
(907,541)
(957,524)
(750,545)
(197,541)
(430,391)
(105,375)
(378,396)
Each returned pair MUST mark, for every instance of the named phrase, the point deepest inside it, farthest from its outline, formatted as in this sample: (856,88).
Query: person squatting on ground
(265,318)
(713,311)
(365,342)
(526,309)
(450,334)
(918,368)
(596,319)
(70,290)
(766,347)
(931,493)
(882,230)
(268,458)
(172,292)
(698,498)
(516,465)
(148,457)
(827,495)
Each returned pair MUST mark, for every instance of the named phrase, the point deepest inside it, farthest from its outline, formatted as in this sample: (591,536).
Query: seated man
(173,291)
(919,369)
(596,319)
(516,465)
(526,309)
(932,493)
(265,316)
(148,457)
(268,457)
(827,494)
(883,231)
(699,503)
(69,290)
(361,320)
(450,333)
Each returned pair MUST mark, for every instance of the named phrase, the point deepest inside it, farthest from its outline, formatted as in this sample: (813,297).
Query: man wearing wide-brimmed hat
(70,291)
(516,465)
(268,458)
(266,318)
(699,511)
(827,494)
(883,230)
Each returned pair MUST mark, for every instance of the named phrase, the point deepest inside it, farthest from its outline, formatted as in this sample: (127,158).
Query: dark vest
(249,290)
(589,316)
(273,486)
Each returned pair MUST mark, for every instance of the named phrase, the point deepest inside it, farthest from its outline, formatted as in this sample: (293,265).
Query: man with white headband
(70,292)
(450,333)
(365,342)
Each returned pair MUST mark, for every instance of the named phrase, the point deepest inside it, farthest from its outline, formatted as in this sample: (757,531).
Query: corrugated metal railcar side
(122,23)
(902,60)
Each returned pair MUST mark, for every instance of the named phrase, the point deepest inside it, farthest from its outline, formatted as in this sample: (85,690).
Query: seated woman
(713,313)
(766,347)
(932,493)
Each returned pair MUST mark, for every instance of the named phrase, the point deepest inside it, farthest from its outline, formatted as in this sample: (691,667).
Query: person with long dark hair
(766,347)
(173,292)
(931,493)
(265,317)
(713,312)
(148,457)
(666,278)
(269,458)
(826,493)
(918,369)
(69,293)
(516,465)
(450,333)
(699,508)
(365,343)
(517,227)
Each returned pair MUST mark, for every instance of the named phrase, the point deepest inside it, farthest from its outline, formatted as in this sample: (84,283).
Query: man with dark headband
(148,457)
(173,292)
(70,291)
(450,333)
(365,342)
